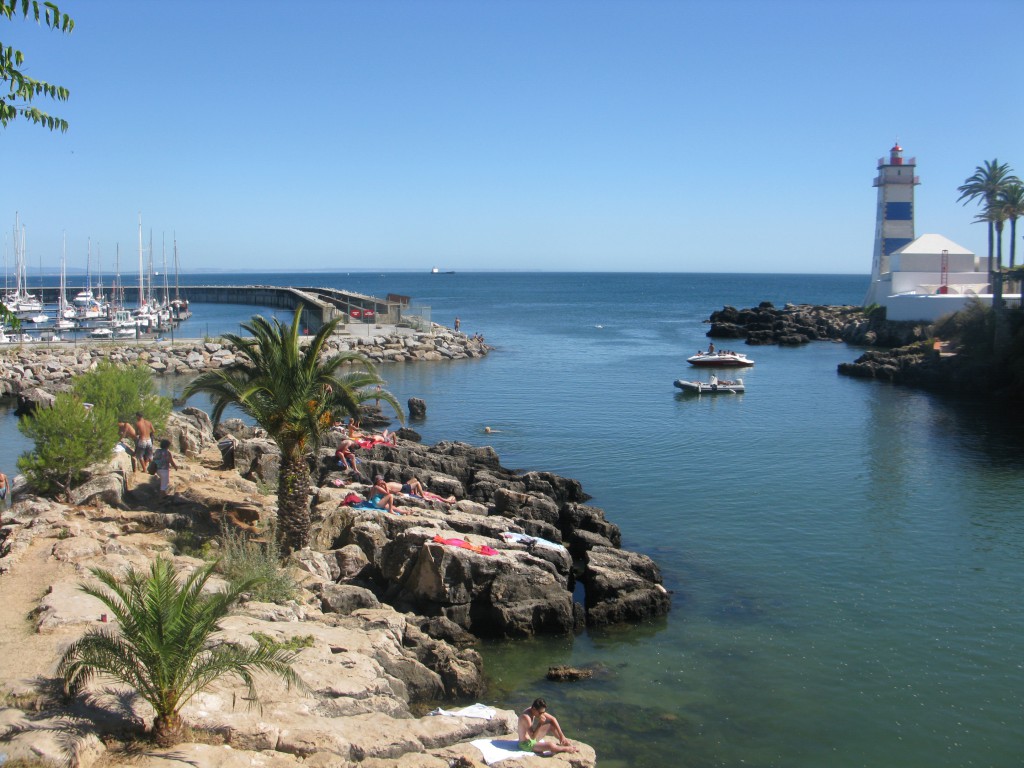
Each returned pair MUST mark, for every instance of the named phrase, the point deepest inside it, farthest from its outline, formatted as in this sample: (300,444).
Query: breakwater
(51,367)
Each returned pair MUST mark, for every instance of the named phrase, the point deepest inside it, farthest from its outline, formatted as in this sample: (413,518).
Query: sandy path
(24,653)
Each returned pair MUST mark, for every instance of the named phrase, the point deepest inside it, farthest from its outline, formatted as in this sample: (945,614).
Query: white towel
(481,711)
(522,538)
(496,750)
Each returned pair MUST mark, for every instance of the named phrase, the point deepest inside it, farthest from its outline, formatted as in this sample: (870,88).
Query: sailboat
(179,307)
(87,306)
(20,301)
(65,311)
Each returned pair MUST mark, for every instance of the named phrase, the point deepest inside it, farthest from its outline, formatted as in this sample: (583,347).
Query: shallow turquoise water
(846,556)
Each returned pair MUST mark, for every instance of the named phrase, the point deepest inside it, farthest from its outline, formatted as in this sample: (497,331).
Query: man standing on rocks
(535,724)
(143,442)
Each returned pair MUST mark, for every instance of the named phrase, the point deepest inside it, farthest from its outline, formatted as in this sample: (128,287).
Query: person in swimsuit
(347,459)
(5,487)
(380,496)
(143,442)
(536,727)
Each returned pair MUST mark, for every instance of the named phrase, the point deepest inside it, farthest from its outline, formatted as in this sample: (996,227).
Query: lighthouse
(894,217)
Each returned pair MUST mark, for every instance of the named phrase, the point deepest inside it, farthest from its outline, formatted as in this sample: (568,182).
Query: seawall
(52,366)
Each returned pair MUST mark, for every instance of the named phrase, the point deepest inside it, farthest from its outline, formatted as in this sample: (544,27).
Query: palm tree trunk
(1013,240)
(293,526)
(997,287)
(168,730)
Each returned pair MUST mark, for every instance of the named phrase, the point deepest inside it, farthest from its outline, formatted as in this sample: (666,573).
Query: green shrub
(68,438)
(124,390)
(243,559)
(971,328)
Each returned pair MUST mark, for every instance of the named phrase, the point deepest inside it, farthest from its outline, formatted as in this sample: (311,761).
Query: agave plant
(163,649)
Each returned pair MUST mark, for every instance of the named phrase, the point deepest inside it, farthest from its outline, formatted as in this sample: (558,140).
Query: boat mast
(142,287)
(163,267)
(62,302)
(88,265)
(149,291)
(176,296)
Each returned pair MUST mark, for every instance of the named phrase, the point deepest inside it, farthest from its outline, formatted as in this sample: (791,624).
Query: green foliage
(9,319)
(971,329)
(295,643)
(295,393)
(68,438)
(124,390)
(21,88)
(164,649)
(874,311)
(246,561)
(191,544)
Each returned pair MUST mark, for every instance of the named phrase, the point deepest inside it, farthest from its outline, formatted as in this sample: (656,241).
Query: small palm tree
(294,393)
(163,649)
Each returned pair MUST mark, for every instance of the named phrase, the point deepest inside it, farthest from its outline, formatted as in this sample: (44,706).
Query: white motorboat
(713,387)
(38,319)
(722,359)
(102,332)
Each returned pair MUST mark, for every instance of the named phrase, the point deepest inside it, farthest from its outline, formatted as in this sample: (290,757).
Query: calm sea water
(847,557)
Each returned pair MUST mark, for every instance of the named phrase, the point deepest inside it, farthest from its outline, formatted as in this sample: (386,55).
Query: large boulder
(258,459)
(622,586)
(511,594)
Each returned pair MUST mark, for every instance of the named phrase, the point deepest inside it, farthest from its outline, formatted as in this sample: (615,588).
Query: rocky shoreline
(900,352)
(51,366)
(797,324)
(388,610)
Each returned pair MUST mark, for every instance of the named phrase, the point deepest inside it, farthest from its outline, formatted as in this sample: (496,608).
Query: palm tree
(163,649)
(294,394)
(1012,202)
(996,218)
(987,183)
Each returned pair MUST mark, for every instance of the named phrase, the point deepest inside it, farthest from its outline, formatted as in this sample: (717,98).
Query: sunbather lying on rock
(413,487)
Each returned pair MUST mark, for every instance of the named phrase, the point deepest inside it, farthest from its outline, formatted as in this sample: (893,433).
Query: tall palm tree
(163,648)
(1012,202)
(986,184)
(996,218)
(294,393)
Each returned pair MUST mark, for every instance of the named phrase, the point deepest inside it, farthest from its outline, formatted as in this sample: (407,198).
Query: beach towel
(480,549)
(522,538)
(496,750)
(481,711)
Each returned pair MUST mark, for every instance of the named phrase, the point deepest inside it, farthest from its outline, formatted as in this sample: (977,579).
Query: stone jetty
(50,367)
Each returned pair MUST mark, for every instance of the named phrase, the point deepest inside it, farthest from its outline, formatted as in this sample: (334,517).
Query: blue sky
(715,136)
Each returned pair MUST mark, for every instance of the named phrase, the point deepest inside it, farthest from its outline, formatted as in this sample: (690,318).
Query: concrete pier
(322,304)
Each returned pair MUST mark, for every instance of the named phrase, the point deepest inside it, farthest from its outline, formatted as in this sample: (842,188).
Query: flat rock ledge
(371,670)
(797,324)
(51,367)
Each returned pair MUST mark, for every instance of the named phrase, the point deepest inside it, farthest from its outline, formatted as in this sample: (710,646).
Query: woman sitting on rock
(380,496)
